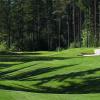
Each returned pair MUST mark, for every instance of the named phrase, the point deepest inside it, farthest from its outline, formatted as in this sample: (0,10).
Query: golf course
(49,49)
(43,75)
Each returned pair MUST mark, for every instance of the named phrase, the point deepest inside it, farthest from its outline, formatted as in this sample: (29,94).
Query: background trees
(49,24)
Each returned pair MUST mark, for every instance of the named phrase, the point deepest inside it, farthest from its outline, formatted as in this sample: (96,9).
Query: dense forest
(30,25)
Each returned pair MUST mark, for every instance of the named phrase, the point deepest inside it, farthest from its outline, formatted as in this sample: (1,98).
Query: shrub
(3,47)
(13,47)
(74,45)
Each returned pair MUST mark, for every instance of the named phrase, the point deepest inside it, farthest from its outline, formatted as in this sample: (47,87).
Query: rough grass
(50,75)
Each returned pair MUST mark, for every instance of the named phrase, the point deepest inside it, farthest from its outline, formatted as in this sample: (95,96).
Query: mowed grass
(13,95)
(64,75)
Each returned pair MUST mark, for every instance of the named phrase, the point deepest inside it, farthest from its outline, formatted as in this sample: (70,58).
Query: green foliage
(13,48)
(3,47)
(74,45)
(41,24)
(84,38)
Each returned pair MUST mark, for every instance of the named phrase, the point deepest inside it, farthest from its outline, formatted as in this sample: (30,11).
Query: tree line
(49,24)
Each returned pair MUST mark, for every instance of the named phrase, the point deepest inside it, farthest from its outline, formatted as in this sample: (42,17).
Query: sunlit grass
(60,73)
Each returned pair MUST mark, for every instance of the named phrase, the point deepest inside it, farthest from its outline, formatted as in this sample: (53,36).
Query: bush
(3,47)
(13,48)
(59,49)
(75,45)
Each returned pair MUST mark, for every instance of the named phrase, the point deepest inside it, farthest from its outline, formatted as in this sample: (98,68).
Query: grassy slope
(57,73)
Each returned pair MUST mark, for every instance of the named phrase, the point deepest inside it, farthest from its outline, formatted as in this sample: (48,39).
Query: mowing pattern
(50,72)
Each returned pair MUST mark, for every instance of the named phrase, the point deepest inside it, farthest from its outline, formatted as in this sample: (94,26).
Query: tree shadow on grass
(71,75)
(88,85)
(91,85)
(2,66)
(32,58)
(25,76)
(18,53)
(4,76)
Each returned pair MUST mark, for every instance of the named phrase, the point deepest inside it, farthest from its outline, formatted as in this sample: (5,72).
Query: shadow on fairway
(18,53)
(25,75)
(2,74)
(88,85)
(2,66)
(22,58)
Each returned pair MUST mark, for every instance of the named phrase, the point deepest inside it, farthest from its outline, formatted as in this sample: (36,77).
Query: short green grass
(43,75)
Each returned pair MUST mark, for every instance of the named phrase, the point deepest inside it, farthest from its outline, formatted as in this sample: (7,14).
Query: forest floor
(43,75)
